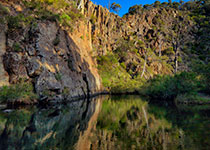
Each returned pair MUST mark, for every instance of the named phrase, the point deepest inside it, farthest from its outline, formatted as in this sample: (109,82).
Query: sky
(126,4)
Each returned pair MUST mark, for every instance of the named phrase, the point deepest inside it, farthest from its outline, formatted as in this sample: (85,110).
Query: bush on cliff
(18,93)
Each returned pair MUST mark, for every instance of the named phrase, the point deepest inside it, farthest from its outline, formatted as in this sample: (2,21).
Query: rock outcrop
(57,69)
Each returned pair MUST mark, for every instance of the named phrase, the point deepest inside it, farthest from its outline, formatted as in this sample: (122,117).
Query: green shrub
(203,70)
(14,22)
(169,87)
(16,47)
(58,76)
(4,10)
(65,19)
(17,22)
(115,76)
(20,91)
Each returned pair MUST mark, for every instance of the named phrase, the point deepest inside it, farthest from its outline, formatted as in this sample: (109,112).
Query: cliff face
(55,60)
(158,29)
(108,28)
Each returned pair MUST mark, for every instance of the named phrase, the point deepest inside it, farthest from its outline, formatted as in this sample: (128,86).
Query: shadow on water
(108,122)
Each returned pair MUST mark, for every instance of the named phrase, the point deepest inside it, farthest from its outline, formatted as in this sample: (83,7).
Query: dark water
(106,123)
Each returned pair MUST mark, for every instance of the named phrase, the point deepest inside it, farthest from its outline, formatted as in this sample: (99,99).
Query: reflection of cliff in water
(52,128)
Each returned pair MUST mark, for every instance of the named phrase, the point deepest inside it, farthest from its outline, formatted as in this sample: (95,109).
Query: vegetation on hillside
(188,35)
(64,12)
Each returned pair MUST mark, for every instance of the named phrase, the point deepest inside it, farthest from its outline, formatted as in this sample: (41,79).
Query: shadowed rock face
(52,59)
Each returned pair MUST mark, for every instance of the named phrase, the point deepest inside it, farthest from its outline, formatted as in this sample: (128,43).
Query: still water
(106,123)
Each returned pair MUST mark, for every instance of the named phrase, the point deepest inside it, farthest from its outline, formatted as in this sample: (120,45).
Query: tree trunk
(175,46)
(80,4)
(145,63)
(176,61)
(160,46)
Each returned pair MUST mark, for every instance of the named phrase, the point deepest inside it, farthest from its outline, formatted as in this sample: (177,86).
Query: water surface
(102,123)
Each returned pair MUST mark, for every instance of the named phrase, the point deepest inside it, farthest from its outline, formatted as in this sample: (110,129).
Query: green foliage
(56,41)
(115,7)
(82,37)
(14,22)
(203,70)
(65,19)
(18,22)
(4,10)
(63,11)
(16,47)
(58,76)
(137,9)
(17,92)
(65,91)
(93,19)
(115,76)
(169,87)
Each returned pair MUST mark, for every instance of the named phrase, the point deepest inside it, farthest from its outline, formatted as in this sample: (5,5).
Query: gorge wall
(61,61)
(149,29)
(55,60)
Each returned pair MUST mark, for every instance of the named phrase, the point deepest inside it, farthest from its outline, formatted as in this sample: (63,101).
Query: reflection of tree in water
(193,120)
(122,124)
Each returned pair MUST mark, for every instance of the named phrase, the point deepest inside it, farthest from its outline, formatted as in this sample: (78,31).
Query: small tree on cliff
(179,36)
(115,7)
(170,2)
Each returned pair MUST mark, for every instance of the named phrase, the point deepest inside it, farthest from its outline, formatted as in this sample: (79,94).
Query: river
(106,123)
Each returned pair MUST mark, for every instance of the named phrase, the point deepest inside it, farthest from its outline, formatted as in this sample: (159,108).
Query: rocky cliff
(56,60)
(153,27)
